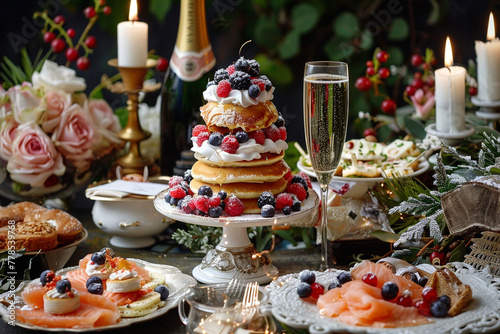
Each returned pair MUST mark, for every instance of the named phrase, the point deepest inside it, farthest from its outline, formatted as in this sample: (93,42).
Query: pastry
(67,227)
(31,236)
(18,211)
(55,302)
(123,281)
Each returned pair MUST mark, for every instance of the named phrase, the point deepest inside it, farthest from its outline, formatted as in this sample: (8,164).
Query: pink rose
(55,103)
(34,157)
(75,136)
(8,133)
(25,103)
(423,103)
(105,121)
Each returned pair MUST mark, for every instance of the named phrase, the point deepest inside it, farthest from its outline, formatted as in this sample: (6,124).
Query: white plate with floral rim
(482,315)
(177,283)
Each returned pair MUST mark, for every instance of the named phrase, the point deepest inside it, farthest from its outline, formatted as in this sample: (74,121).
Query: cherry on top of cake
(244,74)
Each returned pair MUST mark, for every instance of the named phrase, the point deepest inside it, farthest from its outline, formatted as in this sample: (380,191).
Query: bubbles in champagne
(326,105)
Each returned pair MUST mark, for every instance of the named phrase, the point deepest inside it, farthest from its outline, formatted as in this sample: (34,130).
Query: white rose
(59,77)
(149,117)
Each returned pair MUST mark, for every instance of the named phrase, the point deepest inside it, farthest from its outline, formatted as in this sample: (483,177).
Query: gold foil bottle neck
(192,34)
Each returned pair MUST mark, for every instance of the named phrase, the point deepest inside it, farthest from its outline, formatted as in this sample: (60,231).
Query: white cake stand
(235,252)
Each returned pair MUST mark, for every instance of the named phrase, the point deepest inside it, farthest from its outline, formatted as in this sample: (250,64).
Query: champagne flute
(326,105)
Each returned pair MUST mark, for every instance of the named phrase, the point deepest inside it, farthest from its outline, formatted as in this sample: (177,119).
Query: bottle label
(189,65)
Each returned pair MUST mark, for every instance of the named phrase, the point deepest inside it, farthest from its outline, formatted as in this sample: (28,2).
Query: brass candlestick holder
(132,84)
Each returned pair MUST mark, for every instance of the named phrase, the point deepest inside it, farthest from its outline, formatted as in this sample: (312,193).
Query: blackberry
(215,139)
(266,198)
(300,179)
(222,195)
(287,210)
(267,211)
(221,74)
(253,91)
(205,190)
(242,137)
(296,205)
(215,212)
(242,65)
(187,176)
(254,68)
(240,80)
(210,83)
(280,122)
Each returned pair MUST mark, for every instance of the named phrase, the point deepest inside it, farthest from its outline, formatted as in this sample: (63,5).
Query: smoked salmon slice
(359,304)
(121,298)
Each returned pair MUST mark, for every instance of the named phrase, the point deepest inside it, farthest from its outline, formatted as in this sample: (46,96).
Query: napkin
(121,188)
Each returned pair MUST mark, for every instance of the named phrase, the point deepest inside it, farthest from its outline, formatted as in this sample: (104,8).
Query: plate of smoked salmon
(372,298)
(103,292)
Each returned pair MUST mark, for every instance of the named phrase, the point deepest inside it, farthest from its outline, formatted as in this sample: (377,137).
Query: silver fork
(250,301)
(234,287)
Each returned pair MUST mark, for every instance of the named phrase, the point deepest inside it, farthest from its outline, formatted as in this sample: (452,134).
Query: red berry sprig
(375,75)
(61,39)
(423,78)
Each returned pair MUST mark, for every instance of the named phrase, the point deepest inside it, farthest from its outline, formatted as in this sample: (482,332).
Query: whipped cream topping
(246,152)
(123,274)
(100,270)
(237,97)
(53,293)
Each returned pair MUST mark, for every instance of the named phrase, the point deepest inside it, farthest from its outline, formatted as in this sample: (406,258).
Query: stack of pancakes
(246,179)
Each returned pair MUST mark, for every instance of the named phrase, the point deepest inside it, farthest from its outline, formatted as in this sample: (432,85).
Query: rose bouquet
(52,137)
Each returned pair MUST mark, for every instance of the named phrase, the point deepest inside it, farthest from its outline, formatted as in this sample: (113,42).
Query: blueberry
(307,276)
(223,205)
(63,286)
(93,279)
(205,190)
(163,291)
(215,212)
(108,251)
(280,122)
(390,290)
(266,198)
(95,288)
(242,137)
(411,276)
(254,91)
(222,195)
(439,309)
(344,277)
(333,285)
(215,139)
(268,211)
(168,198)
(46,277)
(296,205)
(304,290)
(174,201)
(422,281)
(187,176)
(242,65)
(446,299)
(287,210)
(98,258)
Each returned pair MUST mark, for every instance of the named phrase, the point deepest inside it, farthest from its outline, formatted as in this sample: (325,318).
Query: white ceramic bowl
(131,222)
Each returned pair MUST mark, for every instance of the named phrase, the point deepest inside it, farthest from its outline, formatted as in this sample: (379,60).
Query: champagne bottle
(182,93)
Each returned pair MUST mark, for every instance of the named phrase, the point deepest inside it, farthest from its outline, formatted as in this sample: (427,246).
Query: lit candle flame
(448,53)
(132,13)
(491,28)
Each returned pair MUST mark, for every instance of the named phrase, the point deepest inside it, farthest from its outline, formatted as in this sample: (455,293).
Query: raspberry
(258,136)
(198,129)
(299,179)
(266,198)
(214,201)
(288,175)
(272,133)
(298,190)
(201,203)
(259,83)
(240,80)
(175,181)
(177,192)
(230,144)
(267,82)
(306,177)
(221,74)
(234,207)
(283,200)
(230,69)
(282,132)
(202,137)
(223,88)
(254,69)
(187,205)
